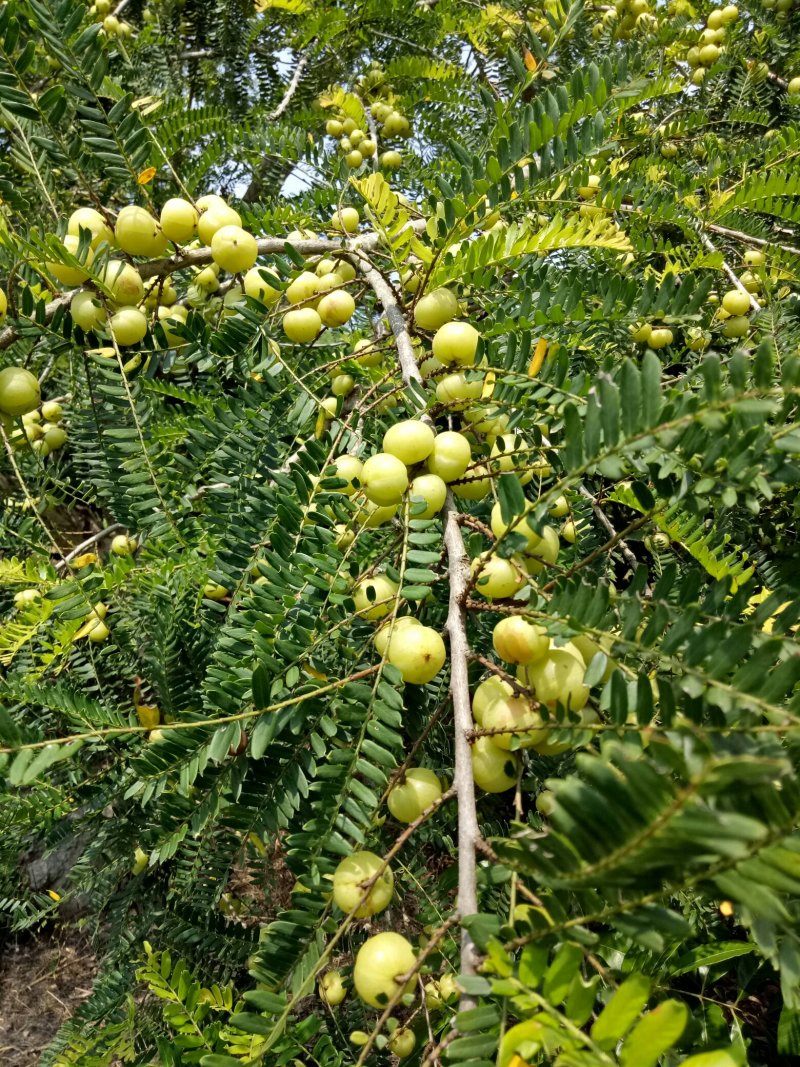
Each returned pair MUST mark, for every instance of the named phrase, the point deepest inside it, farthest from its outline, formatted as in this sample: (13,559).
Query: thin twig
(62,563)
(605,522)
(709,246)
(291,88)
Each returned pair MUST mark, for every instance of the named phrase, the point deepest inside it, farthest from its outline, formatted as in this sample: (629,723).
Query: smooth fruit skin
(123,545)
(402,1042)
(435,309)
(384,479)
(19,391)
(497,578)
(456,342)
(304,287)
(128,326)
(377,606)
(493,688)
(234,249)
(518,525)
(55,436)
(379,962)
(516,640)
(52,411)
(418,652)
(336,308)
(87,311)
(366,353)
(348,468)
(99,632)
(493,769)
(138,233)
(71,275)
(332,989)
(214,218)
(476,486)
(348,884)
(391,160)
(385,633)
(736,302)
(346,219)
(432,490)
(736,326)
(86,218)
(123,281)
(179,220)
(518,718)
(793,88)
(410,440)
(557,679)
(255,286)
(660,338)
(450,456)
(409,798)
(170,317)
(302,325)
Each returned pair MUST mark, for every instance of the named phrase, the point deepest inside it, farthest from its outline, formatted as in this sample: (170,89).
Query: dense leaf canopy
(212,674)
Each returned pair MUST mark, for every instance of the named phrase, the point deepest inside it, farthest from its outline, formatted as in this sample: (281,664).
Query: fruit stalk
(458,570)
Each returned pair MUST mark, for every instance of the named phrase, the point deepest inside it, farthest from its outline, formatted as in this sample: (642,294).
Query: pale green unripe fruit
(331,988)
(456,391)
(432,490)
(387,631)
(641,334)
(435,309)
(380,961)
(326,282)
(590,190)
(348,125)
(207,279)
(123,282)
(19,391)
(304,287)
(334,128)
(450,456)
(384,479)
(735,302)
(497,578)
(128,326)
(476,486)
(391,160)
(209,200)
(419,789)
(55,436)
(493,769)
(557,679)
(336,308)
(793,88)
(123,545)
(518,525)
(25,597)
(343,385)
(749,280)
(179,220)
(516,640)
(345,270)
(99,632)
(71,275)
(170,317)
(367,148)
(402,1042)
(348,468)
(493,688)
(374,607)
(86,218)
(52,411)
(518,719)
(737,326)
(87,311)
(347,218)
(356,137)
(546,548)
(410,440)
(138,233)
(214,591)
(418,652)
(370,516)
(325,266)
(559,508)
(366,353)
(354,159)
(709,54)
(302,325)
(513,453)
(731,14)
(214,218)
(348,884)
(234,249)
(255,286)
(456,342)
(660,338)
(448,988)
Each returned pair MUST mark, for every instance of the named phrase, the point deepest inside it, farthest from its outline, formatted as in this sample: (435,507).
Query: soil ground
(43,979)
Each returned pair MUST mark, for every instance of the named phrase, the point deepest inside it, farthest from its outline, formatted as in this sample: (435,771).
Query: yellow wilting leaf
(538,357)
(53,895)
(529,60)
(316,674)
(147,104)
(84,560)
(147,175)
(149,715)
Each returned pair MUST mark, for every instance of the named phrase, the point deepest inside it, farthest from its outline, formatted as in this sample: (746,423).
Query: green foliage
(210,762)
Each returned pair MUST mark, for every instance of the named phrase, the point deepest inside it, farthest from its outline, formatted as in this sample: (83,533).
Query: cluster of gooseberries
(100,11)
(356,145)
(625,18)
(20,396)
(710,43)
